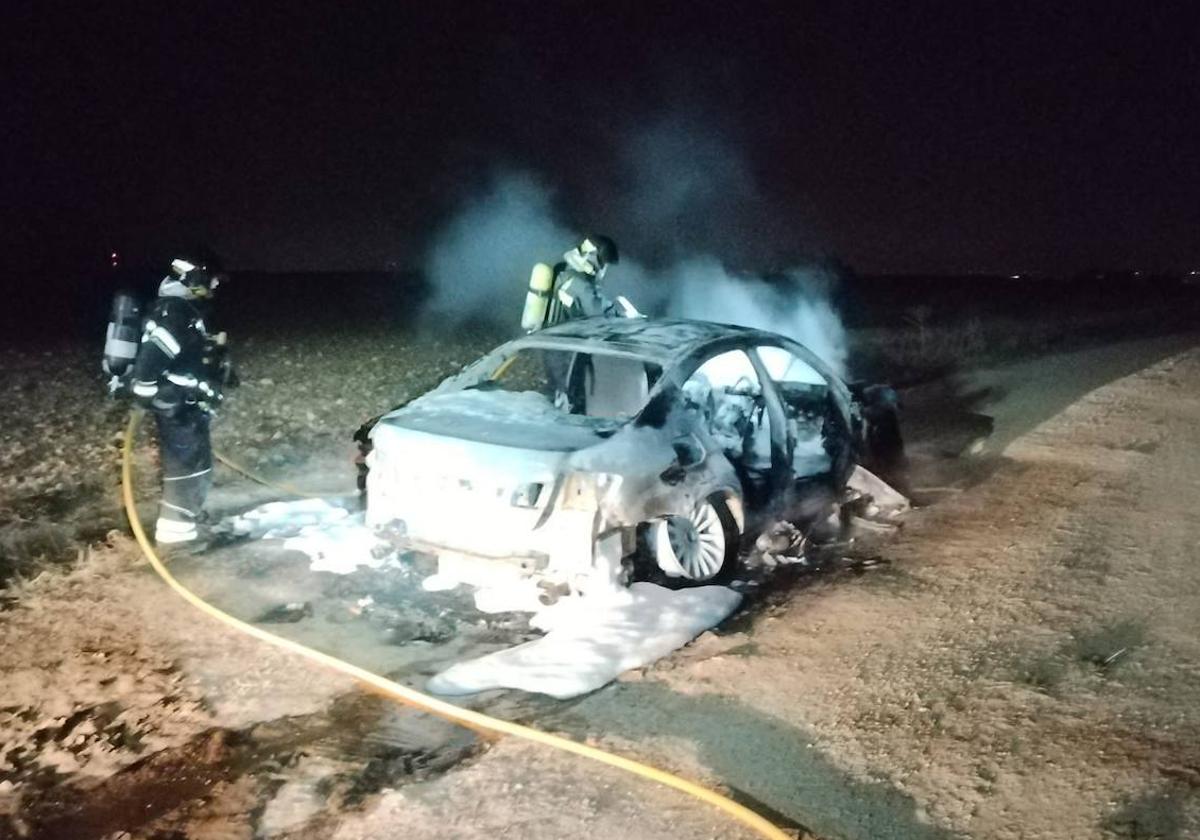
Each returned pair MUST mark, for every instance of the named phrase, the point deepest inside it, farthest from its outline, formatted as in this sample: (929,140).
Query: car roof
(654,339)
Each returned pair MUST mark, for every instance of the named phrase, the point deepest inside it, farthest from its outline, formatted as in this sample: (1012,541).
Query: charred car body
(563,451)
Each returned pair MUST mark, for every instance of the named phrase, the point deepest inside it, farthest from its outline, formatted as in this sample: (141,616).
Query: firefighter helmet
(601,251)
(201,272)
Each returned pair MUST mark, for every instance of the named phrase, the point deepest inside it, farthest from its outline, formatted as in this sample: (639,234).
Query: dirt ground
(1026,665)
(1021,660)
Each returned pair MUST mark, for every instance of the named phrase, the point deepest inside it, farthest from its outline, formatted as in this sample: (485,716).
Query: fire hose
(476,721)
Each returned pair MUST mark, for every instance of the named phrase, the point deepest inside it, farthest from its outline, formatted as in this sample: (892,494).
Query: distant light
(114,259)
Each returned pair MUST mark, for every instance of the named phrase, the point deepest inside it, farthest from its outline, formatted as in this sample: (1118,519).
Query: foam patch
(591,641)
(334,539)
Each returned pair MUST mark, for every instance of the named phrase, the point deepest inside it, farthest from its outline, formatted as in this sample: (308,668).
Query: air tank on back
(537,298)
(121,339)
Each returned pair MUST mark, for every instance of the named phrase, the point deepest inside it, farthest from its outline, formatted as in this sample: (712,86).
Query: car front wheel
(698,547)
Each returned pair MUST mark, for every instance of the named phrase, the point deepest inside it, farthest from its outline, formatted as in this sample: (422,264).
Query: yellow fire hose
(476,721)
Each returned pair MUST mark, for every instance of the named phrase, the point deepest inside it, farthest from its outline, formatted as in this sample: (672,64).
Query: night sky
(953,137)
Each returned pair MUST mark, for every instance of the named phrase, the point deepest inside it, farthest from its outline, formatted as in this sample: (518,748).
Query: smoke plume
(478,264)
(689,201)
(796,304)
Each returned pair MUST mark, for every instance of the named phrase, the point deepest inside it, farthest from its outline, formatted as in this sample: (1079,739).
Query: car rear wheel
(698,547)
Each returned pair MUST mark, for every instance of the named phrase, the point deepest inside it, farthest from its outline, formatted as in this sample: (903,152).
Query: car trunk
(477,475)
(526,421)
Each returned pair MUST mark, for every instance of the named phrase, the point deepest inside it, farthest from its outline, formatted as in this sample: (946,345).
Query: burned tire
(696,548)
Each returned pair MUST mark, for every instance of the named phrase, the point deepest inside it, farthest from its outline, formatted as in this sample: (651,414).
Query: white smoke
(675,171)
(479,262)
(684,181)
(797,305)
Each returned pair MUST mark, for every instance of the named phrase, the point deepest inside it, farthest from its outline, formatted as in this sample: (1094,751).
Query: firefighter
(575,291)
(178,374)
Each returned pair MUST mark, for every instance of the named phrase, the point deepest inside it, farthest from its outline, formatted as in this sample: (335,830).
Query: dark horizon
(60,308)
(924,140)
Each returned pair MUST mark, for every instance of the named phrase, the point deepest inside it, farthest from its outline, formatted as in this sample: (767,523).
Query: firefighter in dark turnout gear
(178,375)
(576,292)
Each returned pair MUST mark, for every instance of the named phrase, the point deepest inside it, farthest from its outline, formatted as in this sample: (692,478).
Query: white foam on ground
(439,583)
(521,596)
(339,548)
(499,587)
(334,539)
(281,519)
(592,640)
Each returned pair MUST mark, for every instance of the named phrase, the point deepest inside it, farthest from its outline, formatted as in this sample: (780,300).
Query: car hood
(524,420)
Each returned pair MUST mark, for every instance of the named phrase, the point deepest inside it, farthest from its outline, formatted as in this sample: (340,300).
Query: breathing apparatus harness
(128,328)
(589,259)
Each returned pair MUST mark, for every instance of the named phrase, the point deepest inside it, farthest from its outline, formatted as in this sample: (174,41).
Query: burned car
(567,451)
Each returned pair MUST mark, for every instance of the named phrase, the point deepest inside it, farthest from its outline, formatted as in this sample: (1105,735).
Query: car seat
(614,387)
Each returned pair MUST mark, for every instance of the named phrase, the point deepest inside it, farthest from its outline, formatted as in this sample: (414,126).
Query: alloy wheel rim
(698,542)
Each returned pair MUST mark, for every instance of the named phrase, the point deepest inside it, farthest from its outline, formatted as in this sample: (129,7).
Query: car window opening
(814,432)
(726,394)
(594,385)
